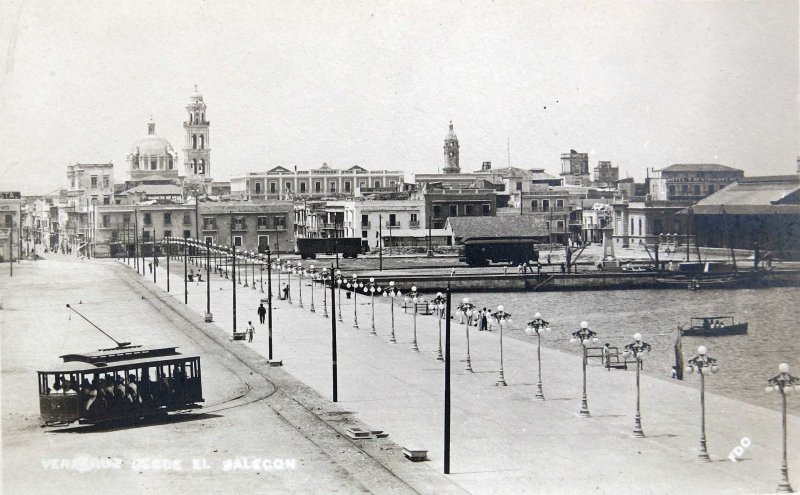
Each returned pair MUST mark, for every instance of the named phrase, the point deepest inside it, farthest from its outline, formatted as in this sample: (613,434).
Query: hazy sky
(642,84)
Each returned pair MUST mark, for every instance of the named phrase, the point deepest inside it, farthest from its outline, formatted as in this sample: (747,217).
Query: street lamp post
(439,303)
(261,272)
(413,298)
(584,335)
(702,363)
(501,316)
(339,282)
(391,292)
(185,271)
(300,271)
(208,317)
(289,268)
(637,349)
(466,308)
(325,277)
(536,327)
(783,383)
(312,272)
(253,259)
(354,284)
(370,288)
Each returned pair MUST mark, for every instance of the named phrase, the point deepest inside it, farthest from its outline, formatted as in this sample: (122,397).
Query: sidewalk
(504,441)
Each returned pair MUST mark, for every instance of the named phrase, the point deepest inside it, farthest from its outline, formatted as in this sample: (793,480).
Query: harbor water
(746,361)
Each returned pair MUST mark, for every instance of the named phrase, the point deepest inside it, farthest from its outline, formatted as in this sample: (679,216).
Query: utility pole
(380,243)
(333,343)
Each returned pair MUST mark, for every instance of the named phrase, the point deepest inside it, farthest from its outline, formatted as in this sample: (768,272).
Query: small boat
(721,281)
(712,326)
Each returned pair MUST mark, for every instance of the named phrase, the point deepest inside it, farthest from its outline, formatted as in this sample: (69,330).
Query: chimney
(488,166)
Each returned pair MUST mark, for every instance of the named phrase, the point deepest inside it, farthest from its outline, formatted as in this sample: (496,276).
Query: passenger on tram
(132,390)
(108,390)
(57,386)
(165,389)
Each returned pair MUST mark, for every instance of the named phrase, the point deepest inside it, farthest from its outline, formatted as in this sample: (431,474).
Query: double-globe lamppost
(502,317)
(370,288)
(354,285)
(783,383)
(440,303)
(535,327)
(584,335)
(702,364)
(299,271)
(637,349)
(391,292)
(467,309)
(413,298)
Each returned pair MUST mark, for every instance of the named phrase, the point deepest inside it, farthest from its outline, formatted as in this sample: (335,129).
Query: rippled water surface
(746,361)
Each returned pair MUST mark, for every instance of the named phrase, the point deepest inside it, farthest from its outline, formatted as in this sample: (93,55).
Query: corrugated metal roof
(752,193)
(503,226)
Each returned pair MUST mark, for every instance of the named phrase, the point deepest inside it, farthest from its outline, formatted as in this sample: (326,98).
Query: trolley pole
(269,300)
(168,248)
(380,243)
(233,280)
(209,317)
(447,385)
(333,344)
(185,271)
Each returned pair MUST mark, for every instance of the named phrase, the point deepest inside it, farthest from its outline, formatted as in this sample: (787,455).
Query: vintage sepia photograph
(418,247)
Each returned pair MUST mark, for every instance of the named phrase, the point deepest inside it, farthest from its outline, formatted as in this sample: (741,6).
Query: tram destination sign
(10,195)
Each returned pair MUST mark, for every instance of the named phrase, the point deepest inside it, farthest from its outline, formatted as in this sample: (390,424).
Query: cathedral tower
(197,149)
(451,152)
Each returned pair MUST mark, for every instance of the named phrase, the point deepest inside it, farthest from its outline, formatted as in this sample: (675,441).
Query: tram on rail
(124,382)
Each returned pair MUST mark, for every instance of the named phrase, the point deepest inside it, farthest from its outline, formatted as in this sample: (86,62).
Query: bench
(423,308)
(611,362)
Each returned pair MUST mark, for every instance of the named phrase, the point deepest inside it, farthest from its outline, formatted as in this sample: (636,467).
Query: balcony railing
(267,228)
(390,225)
(366,225)
(413,225)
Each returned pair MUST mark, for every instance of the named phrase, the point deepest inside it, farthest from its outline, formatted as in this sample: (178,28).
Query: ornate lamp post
(253,258)
(413,297)
(392,292)
(783,383)
(339,282)
(584,335)
(300,272)
(370,288)
(354,285)
(501,316)
(439,302)
(312,273)
(288,267)
(261,261)
(466,308)
(325,276)
(535,327)
(637,349)
(278,265)
(702,364)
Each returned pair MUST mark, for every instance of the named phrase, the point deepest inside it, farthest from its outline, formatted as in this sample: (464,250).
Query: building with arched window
(152,155)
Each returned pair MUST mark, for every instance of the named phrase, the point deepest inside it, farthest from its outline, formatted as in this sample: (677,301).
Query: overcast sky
(642,84)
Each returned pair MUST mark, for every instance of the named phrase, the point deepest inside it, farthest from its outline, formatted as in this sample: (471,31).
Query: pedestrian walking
(262,312)
(484,320)
(548,259)
(505,270)
(606,354)
(286,291)
(250,331)
(563,268)
(150,266)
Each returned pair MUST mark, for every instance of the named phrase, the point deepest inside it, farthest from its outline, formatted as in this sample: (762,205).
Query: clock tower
(451,152)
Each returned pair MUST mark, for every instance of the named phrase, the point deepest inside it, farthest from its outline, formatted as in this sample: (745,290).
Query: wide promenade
(503,440)
(260,430)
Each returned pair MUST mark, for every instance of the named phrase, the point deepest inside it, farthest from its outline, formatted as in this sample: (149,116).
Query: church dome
(151,144)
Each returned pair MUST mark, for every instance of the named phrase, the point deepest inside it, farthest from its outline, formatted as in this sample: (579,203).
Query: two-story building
(281,183)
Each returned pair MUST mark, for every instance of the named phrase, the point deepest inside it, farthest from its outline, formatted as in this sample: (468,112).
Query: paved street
(503,440)
(252,414)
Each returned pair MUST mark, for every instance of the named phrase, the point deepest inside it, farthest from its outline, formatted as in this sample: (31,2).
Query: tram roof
(119,353)
(109,367)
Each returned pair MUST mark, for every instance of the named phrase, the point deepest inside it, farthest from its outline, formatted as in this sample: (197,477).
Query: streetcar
(123,382)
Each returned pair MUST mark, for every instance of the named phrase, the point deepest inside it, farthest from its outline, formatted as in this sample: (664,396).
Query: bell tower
(451,152)
(197,150)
